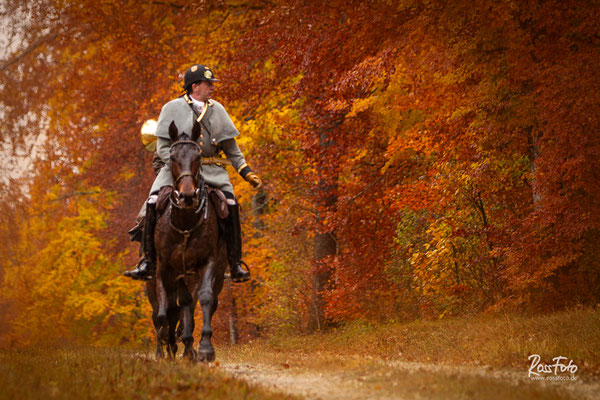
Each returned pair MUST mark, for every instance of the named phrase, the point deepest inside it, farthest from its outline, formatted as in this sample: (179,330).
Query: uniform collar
(198,104)
(193,101)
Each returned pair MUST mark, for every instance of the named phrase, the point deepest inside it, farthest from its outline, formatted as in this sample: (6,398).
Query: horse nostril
(187,198)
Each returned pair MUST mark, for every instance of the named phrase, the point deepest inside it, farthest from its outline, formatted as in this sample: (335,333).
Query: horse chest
(192,254)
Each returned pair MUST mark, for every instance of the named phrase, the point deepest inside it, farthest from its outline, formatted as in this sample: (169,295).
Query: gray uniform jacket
(217,133)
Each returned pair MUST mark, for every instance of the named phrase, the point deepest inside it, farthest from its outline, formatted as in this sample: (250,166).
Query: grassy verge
(350,353)
(502,341)
(97,373)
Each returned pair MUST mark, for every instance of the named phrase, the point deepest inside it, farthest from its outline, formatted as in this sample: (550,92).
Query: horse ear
(173,133)
(195,131)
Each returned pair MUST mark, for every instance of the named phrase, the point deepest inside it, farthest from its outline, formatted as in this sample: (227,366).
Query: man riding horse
(217,134)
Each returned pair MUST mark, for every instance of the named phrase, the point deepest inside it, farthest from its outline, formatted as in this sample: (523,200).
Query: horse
(191,254)
(153,299)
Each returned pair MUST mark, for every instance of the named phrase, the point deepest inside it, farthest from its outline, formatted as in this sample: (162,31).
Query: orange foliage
(449,149)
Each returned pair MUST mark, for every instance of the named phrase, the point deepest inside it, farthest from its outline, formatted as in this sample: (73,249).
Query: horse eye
(172,157)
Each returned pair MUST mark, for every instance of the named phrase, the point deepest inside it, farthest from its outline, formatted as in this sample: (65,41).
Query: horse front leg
(153,298)
(186,303)
(173,313)
(208,302)
(161,323)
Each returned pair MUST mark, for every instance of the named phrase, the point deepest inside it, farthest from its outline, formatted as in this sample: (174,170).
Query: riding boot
(147,266)
(234,245)
(136,233)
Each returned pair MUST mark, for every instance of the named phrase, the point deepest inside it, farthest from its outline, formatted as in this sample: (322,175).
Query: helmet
(197,73)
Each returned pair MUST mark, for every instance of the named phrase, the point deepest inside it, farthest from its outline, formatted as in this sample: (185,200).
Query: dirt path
(378,379)
(304,384)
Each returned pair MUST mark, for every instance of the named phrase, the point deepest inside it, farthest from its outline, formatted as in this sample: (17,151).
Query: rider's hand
(254,180)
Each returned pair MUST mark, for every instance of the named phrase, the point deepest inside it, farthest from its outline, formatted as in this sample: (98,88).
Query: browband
(187,141)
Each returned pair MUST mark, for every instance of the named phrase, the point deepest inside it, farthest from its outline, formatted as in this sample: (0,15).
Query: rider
(217,134)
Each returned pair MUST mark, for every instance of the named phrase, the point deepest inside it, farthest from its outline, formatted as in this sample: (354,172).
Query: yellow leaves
(361,154)
(460,112)
(433,261)
(63,277)
(52,194)
(443,314)
(88,306)
(126,174)
(335,105)
(360,105)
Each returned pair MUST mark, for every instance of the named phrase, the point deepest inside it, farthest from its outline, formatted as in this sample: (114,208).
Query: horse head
(186,161)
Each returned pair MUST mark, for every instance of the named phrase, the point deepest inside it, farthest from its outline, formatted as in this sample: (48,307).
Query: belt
(216,160)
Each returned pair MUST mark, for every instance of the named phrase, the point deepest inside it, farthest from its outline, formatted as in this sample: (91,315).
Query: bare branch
(29,49)
(365,190)
(170,3)
(79,193)
(220,24)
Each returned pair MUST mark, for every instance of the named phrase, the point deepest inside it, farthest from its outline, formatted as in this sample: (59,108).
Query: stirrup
(244,277)
(137,274)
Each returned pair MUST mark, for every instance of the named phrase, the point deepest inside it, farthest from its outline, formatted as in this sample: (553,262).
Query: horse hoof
(191,355)
(206,356)
(163,335)
(160,354)
(172,351)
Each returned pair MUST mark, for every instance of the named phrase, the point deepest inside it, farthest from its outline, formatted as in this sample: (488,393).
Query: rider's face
(202,91)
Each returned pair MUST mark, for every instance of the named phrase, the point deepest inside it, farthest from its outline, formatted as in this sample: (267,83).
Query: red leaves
(451,150)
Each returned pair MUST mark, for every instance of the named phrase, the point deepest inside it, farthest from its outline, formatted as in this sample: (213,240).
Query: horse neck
(184,218)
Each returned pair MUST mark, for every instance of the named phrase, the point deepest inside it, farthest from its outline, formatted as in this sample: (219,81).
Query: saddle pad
(163,199)
(215,195)
(219,201)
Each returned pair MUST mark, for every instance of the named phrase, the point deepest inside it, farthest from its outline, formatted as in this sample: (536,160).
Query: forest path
(359,378)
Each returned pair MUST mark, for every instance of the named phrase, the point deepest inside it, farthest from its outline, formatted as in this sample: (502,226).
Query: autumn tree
(421,159)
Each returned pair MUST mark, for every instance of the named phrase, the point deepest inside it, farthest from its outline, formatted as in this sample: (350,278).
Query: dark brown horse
(191,253)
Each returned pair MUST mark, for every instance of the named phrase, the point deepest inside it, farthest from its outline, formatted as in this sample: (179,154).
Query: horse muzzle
(188,199)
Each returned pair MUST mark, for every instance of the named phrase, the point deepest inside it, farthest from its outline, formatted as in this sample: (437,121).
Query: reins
(186,233)
(202,194)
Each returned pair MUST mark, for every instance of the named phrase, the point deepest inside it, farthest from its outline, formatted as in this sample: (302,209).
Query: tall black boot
(234,246)
(147,266)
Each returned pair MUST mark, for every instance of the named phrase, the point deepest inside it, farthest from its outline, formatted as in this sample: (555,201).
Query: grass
(423,384)
(360,352)
(500,341)
(101,373)
(375,355)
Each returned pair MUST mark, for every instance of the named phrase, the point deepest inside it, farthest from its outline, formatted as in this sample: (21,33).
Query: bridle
(200,195)
(186,173)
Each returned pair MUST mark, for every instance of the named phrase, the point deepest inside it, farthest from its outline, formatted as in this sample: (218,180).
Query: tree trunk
(233,320)
(534,153)
(325,246)
(325,242)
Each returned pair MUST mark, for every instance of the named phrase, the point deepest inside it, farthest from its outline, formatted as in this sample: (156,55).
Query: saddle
(215,195)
